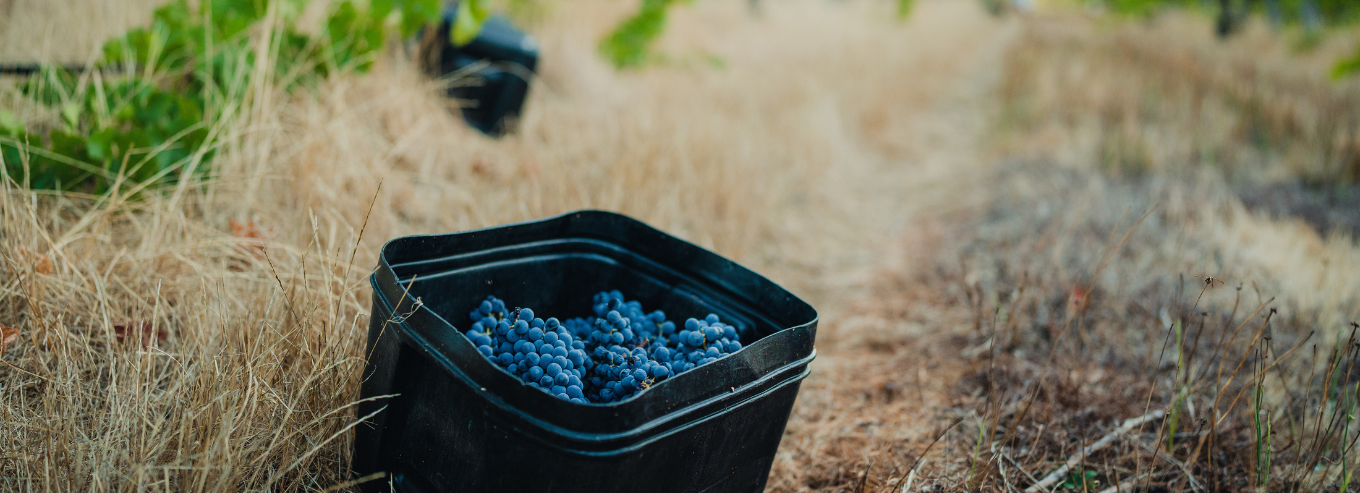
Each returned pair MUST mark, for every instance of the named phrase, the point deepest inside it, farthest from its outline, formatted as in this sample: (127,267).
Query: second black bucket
(499,62)
(443,418)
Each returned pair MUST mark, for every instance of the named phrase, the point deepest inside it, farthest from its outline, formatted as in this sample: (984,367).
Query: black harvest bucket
(443,418)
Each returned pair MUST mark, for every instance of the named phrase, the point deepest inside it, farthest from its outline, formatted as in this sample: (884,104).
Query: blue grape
(712,333)
(619,351)
(695,339)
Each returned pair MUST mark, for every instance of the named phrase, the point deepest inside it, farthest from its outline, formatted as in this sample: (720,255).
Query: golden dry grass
(851,157)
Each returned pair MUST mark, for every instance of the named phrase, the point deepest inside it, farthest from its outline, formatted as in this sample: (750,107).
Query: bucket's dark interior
(562,284)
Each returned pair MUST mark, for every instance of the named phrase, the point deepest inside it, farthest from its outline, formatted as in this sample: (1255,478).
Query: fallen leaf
(122,329)
(249,236)
(7,336)
(44,265)
(41,263)
(244,229)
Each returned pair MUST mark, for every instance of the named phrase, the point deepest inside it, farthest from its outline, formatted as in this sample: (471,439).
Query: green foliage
(1081,480)
(472,14)
(1347,66)
(177,74)
(1305,12)
(904,8)
(1143,8)
(1310,15)
(629,45)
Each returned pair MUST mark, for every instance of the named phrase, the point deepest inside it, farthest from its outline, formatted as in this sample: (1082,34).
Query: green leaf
(9,123)
(71,113)
(417,14)
(472,15)
(630,43)
(98,145)
(904,8)
(1347,66)
(354,36)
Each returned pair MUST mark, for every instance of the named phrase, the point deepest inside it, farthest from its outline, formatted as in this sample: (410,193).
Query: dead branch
(1056,476)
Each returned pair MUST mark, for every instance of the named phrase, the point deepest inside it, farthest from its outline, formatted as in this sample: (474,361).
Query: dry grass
(1157,96)
(66,31)
(845,155)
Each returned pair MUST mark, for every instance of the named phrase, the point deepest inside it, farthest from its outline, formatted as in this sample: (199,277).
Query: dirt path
(889,344)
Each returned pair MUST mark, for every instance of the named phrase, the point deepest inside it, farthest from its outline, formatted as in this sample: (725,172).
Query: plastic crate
(460,423)
(500,62)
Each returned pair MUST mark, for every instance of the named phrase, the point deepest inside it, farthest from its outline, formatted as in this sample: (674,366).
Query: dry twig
(1057,475)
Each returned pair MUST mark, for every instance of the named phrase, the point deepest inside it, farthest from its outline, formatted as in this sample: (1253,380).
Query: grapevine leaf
(417,14)
(630,43)
(9,123)
(472,14)
(1347,66)
(904,8)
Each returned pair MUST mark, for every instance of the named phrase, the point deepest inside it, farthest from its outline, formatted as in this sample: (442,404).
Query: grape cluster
(611,356)
(540,352)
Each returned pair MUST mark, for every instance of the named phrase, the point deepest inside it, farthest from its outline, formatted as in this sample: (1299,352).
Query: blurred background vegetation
(152,108)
